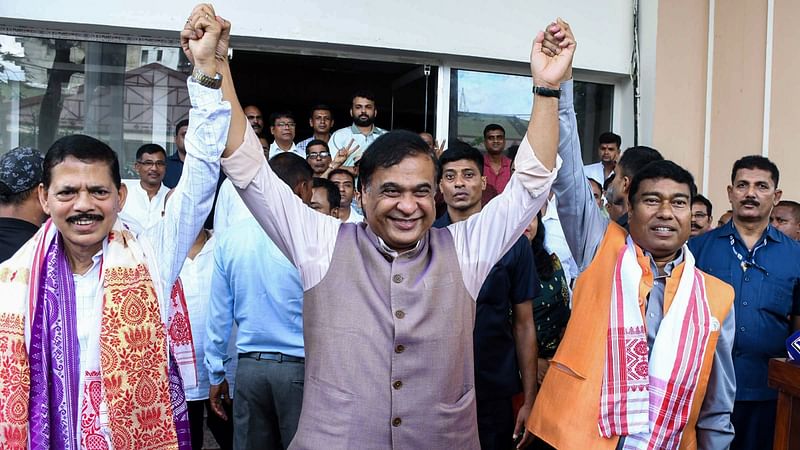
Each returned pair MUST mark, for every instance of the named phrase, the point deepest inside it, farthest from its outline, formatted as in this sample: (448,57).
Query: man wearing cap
(21,213)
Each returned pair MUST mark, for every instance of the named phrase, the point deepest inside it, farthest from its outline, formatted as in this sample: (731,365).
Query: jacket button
(399,314)
(397,384)
(396,422)
(397,278)
(400,348)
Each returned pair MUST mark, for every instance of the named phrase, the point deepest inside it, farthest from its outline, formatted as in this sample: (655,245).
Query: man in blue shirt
(503,348)
(256,286)
(763,266)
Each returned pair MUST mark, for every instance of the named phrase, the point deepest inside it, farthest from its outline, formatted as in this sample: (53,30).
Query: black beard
(364,121)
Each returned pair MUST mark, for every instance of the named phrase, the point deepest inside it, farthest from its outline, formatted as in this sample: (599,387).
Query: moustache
(750,202)
(79,217)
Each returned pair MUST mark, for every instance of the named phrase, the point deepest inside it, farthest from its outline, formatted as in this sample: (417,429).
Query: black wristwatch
(546,92)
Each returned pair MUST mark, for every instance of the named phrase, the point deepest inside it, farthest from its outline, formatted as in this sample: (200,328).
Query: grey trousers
(268,397)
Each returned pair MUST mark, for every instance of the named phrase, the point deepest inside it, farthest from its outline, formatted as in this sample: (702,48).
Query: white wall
(495,30)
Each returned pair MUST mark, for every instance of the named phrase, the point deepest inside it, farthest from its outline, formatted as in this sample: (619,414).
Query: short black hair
(85,148)
(319,107)
(457,152)
(342,172)
(492,127)
(150,149)
(278,114)
(389,150)
(181,124)
(11,199)
(610,138)
(363,93)
(635,158)
(659,170)
(793,205)
(334,196)
(756,162)
(592,180)
(700,198)
(291,168)
(314,142)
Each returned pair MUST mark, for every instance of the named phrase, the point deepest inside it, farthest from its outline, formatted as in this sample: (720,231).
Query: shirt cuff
(566,100)
(201,96)
(216,377)
(531,171)
(244,164)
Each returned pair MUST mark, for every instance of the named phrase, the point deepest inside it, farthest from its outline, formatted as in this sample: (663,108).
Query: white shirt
(355,217)
(555,242)
(139,208)
(167,243)
(342,137)
(275,150)
(196,279)
(230,208)
(596,172)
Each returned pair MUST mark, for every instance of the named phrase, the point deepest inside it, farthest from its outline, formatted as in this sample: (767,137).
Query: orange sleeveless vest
(568,404)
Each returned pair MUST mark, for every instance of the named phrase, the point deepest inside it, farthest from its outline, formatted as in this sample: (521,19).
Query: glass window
(125,95)
(480,98)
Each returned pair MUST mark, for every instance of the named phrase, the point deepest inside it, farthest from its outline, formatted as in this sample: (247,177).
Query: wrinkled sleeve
(305,236)
(190,203)
(484,238)
(583,225)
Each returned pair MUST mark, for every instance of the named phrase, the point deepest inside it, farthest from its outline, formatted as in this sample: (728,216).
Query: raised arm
(482,239)
(191,201)
(581,220)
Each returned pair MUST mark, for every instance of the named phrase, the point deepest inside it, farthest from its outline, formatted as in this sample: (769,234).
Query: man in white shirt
(146,197)
(608,150)
(282,126)
(362,132)
(346,182)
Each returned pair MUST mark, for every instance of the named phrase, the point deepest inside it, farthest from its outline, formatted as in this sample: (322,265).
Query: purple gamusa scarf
(54,356)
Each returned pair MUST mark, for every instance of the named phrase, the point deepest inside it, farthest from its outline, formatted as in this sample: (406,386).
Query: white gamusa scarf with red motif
(648,400)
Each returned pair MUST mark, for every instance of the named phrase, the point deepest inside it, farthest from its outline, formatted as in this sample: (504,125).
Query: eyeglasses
(285,125)
(318,155)
(149,163)
(699,215)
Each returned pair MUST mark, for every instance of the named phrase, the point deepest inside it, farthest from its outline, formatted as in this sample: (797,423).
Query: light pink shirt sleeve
(305,236)
(485,237)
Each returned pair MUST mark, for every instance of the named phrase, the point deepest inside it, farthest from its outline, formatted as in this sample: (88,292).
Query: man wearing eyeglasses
(282,126)
(701,215)
(146,198)
(318,157)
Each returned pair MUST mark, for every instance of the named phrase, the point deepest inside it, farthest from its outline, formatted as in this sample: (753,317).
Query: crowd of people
(365,288)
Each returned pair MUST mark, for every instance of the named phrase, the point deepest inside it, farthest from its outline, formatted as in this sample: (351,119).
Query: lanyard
(750,261)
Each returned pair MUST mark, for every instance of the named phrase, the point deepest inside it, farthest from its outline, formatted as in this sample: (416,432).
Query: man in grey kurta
(389,303)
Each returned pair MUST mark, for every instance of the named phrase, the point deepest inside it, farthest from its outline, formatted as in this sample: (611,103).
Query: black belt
(272,356)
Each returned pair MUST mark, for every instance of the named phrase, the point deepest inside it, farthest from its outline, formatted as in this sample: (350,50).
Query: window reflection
(125,95)
(480,98)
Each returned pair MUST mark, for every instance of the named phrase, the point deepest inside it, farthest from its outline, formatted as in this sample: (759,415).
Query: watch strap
(204,80)
(546,92)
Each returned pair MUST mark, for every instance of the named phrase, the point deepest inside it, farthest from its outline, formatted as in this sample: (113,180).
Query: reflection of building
(153,95)
(470,127)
